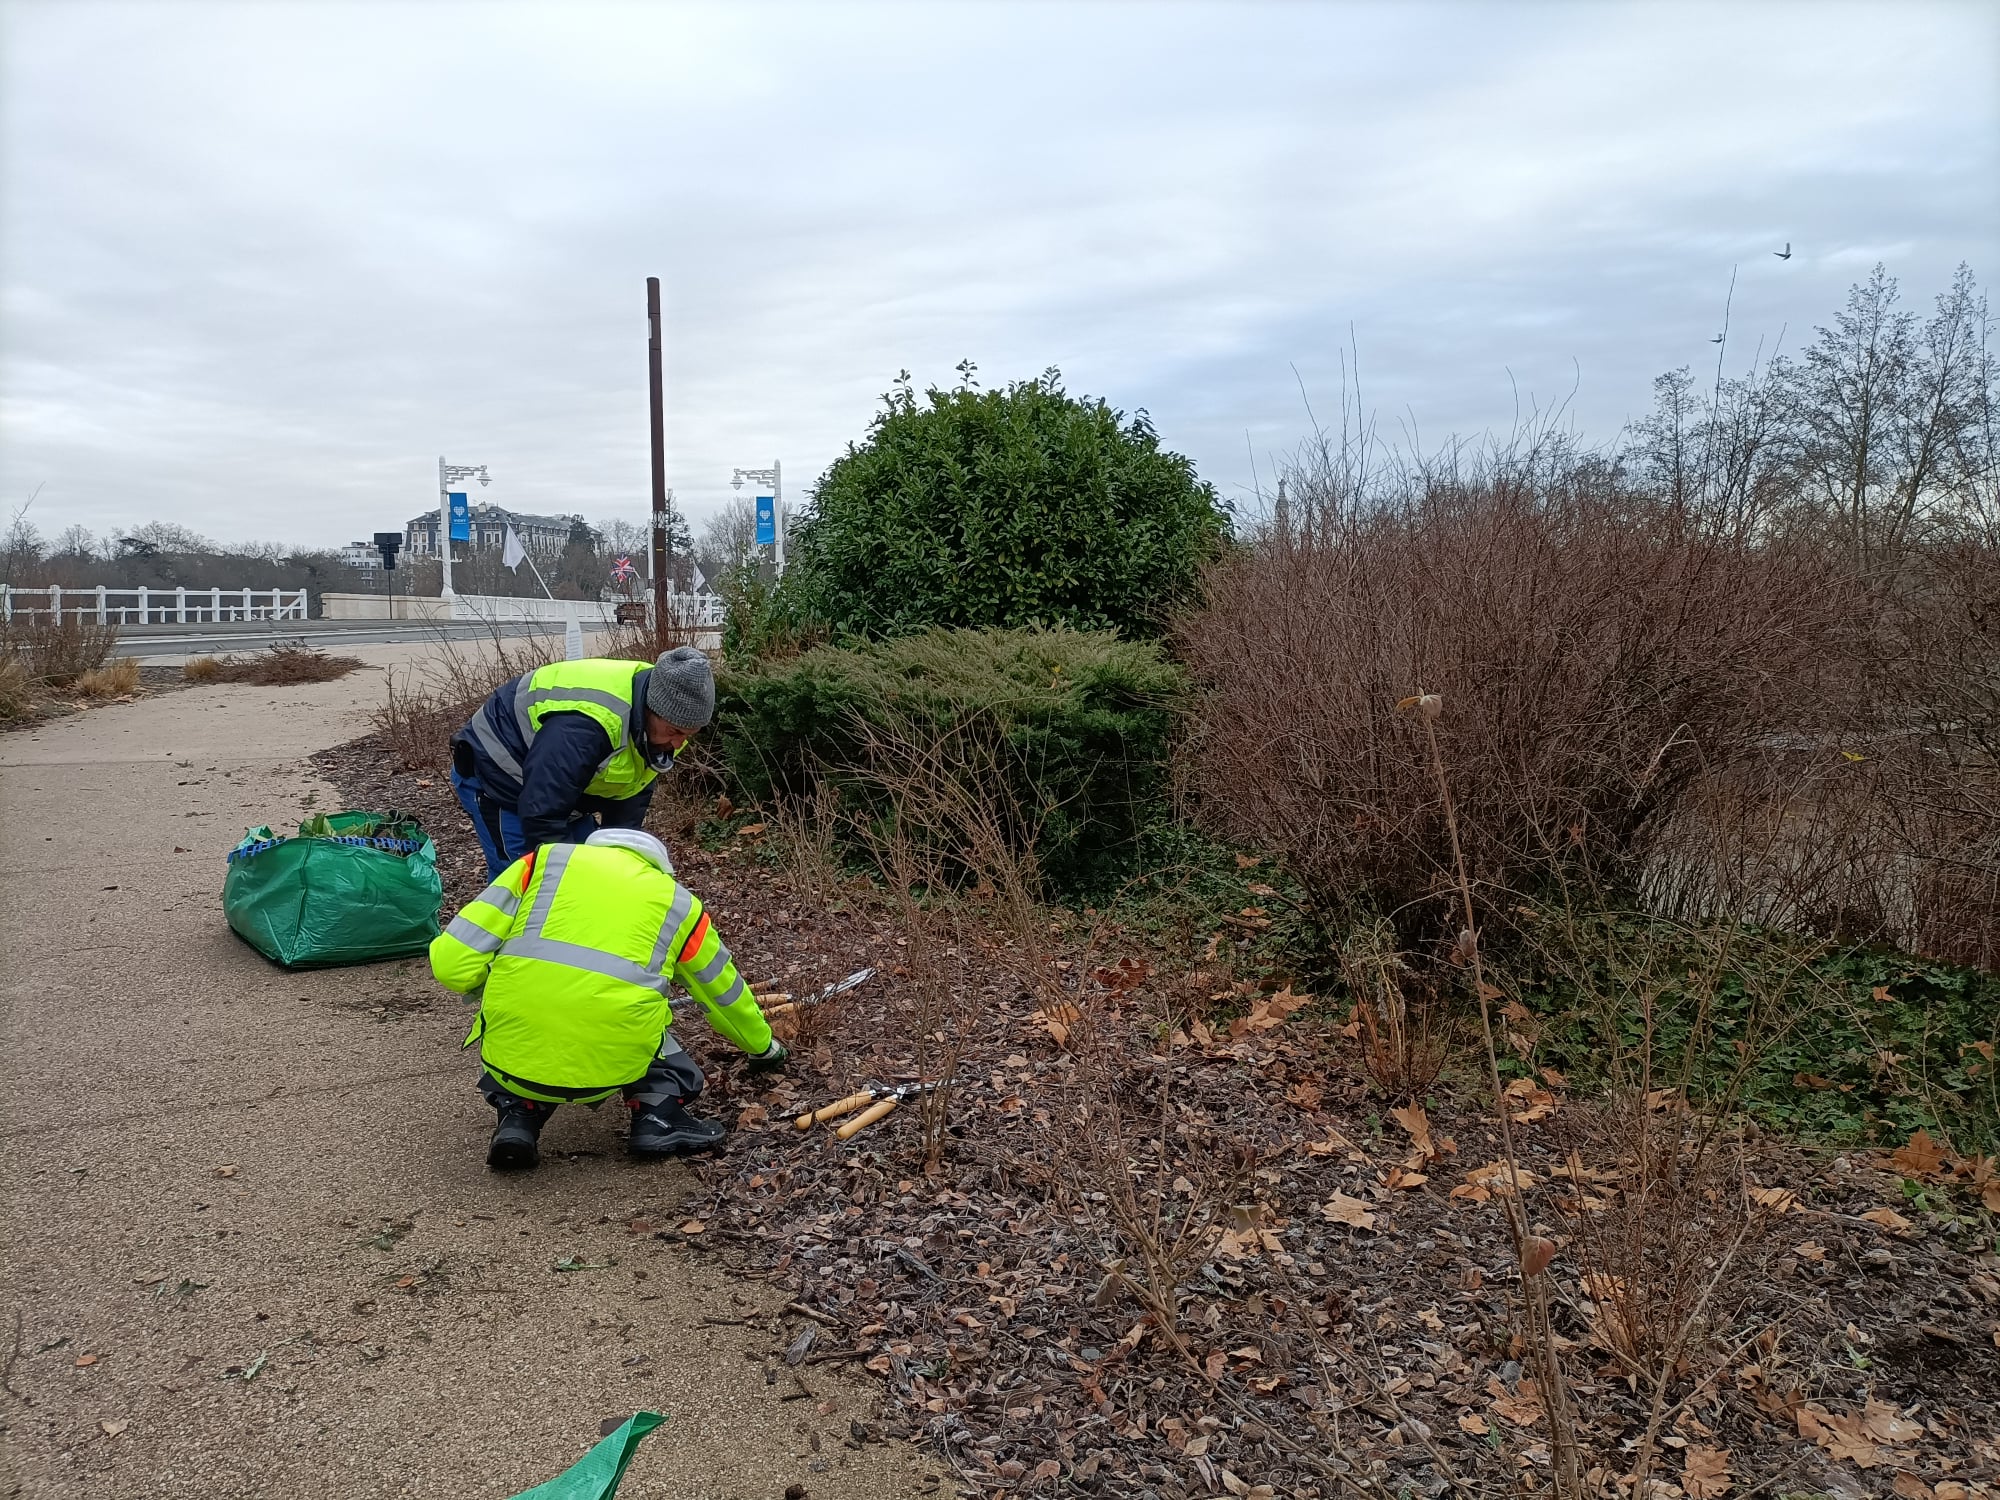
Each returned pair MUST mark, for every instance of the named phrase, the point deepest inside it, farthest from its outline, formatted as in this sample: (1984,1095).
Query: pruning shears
(873,1103)
(788,1006)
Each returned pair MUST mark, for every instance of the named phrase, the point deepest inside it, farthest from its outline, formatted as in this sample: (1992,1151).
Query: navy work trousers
(499,828)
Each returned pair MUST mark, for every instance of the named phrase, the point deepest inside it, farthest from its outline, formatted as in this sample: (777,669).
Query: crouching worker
(576,945)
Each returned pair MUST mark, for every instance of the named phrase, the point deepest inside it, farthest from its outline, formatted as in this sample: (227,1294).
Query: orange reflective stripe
(528,872)
(695,939)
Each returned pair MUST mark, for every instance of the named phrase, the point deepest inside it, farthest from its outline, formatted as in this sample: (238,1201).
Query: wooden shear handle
(834,1110)
(866,1118)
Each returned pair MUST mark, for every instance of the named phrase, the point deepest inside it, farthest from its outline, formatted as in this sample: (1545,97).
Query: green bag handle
(595,1476)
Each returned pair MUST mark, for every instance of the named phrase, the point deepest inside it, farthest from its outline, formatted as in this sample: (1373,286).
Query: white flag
(513,554)
(700,582)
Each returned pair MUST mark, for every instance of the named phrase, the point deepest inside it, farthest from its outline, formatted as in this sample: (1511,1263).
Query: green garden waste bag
(595,1476)
(351,888)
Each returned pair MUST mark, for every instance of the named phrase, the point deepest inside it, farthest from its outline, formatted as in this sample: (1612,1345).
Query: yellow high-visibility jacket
(576,945)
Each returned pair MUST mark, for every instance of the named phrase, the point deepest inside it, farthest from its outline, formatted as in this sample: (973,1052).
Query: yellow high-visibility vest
(576,945)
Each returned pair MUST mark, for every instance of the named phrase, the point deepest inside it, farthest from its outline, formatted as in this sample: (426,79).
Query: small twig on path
(13,1358)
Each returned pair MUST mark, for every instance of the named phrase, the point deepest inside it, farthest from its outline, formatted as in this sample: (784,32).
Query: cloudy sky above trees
(260,264)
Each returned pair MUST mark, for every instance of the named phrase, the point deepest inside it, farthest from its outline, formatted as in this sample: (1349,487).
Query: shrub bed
(1067,731)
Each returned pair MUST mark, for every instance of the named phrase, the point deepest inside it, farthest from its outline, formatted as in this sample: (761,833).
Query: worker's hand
(771,1058)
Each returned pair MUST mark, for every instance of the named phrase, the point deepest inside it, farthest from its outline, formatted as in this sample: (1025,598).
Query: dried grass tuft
(118,679)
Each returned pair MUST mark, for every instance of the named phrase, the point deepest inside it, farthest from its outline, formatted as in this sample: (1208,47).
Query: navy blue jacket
(556,765)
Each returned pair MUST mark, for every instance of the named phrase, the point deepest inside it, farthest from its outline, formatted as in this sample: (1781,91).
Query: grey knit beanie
(682,688)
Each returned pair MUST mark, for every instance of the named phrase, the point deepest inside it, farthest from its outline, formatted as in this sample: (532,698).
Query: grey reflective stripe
(495,748)
(731,995)
(676,914)
(521,719)
(526,698)
(576,956)
(475,937)
(712,970)
(501,898)
(669,1044)
(553,865)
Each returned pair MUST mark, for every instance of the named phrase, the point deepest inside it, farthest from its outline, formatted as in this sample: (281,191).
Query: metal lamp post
(446,474)
(775,478)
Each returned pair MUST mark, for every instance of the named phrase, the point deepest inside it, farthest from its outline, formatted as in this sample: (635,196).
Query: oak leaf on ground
(1706,1476)
(1919,1156)
(1842,1437)
(1345,1210)
(1887,1425)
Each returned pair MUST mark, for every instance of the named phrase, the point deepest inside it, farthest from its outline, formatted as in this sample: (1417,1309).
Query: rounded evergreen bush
(1002,508)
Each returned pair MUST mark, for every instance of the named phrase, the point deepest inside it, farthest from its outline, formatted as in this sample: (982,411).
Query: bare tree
(728,538)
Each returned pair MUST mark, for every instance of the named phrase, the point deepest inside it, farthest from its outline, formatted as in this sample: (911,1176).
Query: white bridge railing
(146,606)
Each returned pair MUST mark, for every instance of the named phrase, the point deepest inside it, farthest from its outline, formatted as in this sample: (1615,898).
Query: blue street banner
(767,519)
(461,519)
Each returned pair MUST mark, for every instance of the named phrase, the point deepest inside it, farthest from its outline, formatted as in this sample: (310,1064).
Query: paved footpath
(213,1168)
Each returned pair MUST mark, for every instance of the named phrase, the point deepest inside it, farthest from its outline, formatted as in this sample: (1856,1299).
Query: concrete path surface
(252,1248)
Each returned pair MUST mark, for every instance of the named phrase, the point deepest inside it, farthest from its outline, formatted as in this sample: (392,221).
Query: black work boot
(667,1129)
(517,1138)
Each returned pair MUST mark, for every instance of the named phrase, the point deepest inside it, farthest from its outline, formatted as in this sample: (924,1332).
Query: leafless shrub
(430,701)
(16,699)
(651,639)
(57,652)
(1404,1043)
(807,832)
(1604,651)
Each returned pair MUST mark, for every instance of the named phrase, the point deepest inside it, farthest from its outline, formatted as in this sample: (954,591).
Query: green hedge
(1083,719)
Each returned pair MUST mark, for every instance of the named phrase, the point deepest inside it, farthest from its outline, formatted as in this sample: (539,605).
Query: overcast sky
(263,263)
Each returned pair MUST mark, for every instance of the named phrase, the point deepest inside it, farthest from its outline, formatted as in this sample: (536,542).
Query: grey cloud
(260,265)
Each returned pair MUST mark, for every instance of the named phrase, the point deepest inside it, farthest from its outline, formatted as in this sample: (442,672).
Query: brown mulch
(1367,1349)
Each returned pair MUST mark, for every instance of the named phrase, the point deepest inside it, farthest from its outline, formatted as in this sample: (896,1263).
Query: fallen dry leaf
(85,1360)
(1842,1437)
(1707,1474)
(1919,1156)
(112,1427)
(1910,1487)
(1887,1425)
(1345,1210)
(1412,1118)
(1495,1177)
(1888,1218)
(693,1226)
(1523,1409)
(1990,1195)
(1779,1200)
(1810,1250)
(225,1171)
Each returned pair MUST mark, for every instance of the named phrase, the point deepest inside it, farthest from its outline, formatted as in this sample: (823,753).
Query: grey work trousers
(672,1075)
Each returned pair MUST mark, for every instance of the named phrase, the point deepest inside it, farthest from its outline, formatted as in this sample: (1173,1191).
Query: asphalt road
(252,1246)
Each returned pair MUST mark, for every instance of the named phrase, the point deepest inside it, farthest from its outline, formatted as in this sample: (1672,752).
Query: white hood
(638,842)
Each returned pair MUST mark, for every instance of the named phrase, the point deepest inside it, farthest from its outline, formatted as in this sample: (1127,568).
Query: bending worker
(575,945)
(574,746)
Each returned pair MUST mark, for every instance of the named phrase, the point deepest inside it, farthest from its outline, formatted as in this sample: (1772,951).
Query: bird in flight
(1786,253)
(1717,339)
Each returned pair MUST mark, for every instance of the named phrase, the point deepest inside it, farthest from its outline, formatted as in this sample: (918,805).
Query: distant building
(361,555)
(545,536)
